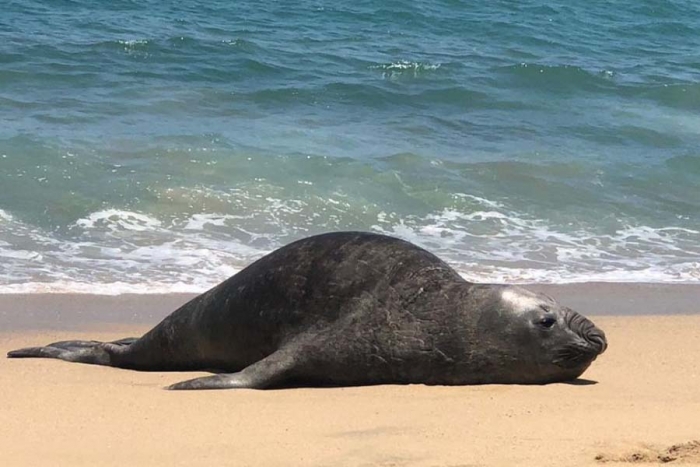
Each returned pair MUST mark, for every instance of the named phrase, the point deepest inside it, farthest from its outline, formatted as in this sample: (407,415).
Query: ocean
(158,146)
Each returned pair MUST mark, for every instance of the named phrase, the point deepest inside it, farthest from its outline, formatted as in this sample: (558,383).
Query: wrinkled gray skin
(353,308)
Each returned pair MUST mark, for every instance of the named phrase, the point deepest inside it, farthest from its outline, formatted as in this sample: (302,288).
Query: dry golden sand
(639,403)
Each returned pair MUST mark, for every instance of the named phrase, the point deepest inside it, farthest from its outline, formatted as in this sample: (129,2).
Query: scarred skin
(354,308)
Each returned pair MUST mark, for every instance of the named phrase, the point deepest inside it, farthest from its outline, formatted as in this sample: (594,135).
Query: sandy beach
(638,403)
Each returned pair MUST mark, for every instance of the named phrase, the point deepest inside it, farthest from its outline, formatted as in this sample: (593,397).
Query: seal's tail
(93,352)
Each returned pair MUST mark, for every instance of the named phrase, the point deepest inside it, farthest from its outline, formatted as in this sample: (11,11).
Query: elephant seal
(354,308)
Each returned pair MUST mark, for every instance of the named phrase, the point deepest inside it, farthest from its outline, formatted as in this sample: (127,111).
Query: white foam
(133,42)
(5,216)
(19,254)
(503,246)
(478,199)
(118,251)
(200,221)
(408,65)
(108,288)
(405,67)
(114,219)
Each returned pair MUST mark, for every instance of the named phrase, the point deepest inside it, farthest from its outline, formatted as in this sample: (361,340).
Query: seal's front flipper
(269,372)
(93,352)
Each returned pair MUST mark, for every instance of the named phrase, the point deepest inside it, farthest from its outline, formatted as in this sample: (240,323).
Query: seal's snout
(596,337)
(588,344)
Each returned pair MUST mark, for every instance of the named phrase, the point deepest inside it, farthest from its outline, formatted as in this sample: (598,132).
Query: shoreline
(75,311)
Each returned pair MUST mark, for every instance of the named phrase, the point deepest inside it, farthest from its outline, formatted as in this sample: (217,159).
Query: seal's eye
(547,322)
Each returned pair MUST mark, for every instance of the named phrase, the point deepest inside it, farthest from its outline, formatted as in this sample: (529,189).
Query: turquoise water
(153,146)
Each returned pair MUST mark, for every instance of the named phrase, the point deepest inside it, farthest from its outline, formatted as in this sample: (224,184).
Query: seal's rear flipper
(93,352)
(269,372)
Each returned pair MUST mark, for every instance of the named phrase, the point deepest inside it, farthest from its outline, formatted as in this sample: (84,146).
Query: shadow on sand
(581,382)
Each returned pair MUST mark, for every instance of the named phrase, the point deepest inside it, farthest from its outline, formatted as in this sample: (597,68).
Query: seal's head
(539,340)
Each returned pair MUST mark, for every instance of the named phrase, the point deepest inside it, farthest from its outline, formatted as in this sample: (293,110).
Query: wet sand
(639,402)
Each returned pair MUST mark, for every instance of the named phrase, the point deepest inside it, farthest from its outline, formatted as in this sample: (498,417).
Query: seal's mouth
(575,355)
